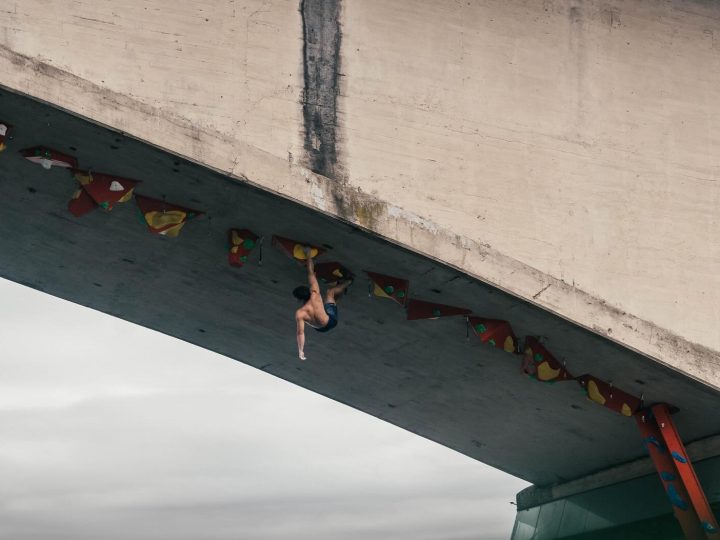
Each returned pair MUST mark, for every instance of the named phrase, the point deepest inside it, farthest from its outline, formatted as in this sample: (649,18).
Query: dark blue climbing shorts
(332,311)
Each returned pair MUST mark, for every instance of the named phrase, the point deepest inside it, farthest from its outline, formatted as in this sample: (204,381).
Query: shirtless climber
(323,317)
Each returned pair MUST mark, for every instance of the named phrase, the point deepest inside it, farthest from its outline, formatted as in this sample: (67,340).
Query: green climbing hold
(104,205)
(243,258)
(401,294)
(481,329)
(436,312)
(538,357)
(389,289)
(248,243)
(492,342)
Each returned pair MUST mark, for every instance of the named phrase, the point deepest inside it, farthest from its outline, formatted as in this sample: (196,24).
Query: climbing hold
(164,218)
(539,363)
(678,457)
(667,476)
(651,440)
(48,158)
(294,249)
(675,498)
(420,309)
(242,242)
(709,527)
(331,272)
(390,287)
(494,332)
(594,394)
(4,134)
(97,189)
(609,396)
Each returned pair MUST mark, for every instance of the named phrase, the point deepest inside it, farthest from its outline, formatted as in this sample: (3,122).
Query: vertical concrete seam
(321,72)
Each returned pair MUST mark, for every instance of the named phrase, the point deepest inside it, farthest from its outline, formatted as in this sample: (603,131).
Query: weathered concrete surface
(422,375)
(565,151)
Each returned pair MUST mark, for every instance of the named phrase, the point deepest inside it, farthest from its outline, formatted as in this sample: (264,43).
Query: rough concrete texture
(422,375)
(564,151)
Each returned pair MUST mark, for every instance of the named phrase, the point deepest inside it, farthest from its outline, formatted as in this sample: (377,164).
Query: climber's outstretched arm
(300,334)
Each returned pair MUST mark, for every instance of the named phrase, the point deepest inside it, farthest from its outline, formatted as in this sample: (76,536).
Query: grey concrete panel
(423,376)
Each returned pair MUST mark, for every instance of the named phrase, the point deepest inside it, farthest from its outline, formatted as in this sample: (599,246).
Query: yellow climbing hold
(509,345)
(299,252)
(546,373)
(337,273)
(378,291)
(126,197)
(625,410)
(158,220)
(594,393)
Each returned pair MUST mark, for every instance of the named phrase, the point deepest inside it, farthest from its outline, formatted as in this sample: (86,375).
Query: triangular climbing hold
(494,332)
(4,135)
(542,365)
(242,242)
(420,309)
(295,249)
(164,218)
(331,272)
(99,190)
(607,395)
(48,158)
(389,287)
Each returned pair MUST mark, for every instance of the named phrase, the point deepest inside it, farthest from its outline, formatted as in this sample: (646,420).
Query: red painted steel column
(664,465)
(686,472)
(677,475)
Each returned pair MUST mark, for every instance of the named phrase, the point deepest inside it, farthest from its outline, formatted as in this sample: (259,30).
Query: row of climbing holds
(100,190)
(538,362)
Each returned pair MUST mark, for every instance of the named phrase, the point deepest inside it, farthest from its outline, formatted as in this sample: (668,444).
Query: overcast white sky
(112,431)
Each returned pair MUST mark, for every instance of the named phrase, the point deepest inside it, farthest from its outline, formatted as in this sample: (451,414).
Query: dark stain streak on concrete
(321,66)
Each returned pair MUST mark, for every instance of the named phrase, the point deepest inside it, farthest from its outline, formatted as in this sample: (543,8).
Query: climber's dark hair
(302,293)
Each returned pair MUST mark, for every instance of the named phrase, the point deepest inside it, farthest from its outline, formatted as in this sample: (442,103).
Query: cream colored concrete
(568,152)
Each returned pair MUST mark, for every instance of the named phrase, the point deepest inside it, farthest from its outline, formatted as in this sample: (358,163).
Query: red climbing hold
(4,134)
(242,242)
(48,158)
(99,190)
(389,287)
(542,365)
(419,309)
(164,218)
(607,395)
(494,332)
(332,272)
(294,249)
